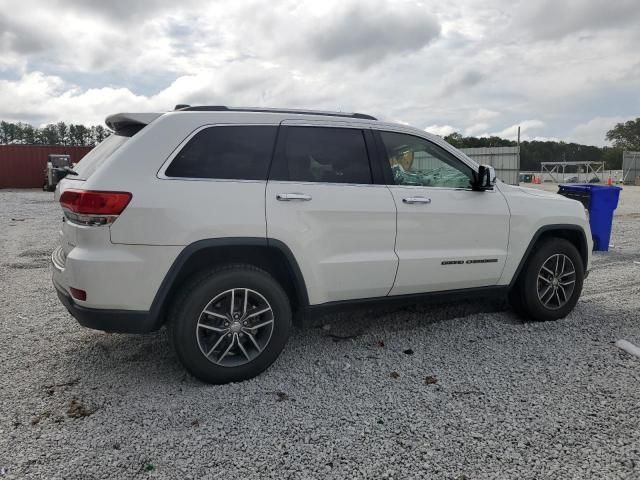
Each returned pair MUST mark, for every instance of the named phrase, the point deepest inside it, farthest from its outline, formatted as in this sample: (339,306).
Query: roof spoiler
(128,124)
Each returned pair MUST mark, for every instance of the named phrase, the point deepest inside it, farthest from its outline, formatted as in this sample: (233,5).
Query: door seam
(395,243)
(508,255)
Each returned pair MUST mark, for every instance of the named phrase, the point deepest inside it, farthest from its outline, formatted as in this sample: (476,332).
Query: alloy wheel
(556,281)
(235,327)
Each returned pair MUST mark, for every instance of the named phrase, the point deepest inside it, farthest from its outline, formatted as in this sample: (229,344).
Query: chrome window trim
(318,123)
(294,182)
(456,189)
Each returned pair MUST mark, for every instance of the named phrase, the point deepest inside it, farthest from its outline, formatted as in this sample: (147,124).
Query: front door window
(416,161)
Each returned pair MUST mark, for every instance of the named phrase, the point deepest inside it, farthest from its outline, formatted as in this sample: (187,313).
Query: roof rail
(223,108)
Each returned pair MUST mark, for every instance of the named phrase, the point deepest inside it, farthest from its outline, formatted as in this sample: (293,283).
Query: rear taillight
(90,207)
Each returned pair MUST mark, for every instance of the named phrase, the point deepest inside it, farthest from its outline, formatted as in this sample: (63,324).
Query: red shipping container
(22,166)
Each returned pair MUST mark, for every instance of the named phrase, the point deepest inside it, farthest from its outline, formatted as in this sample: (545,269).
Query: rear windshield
(96,157)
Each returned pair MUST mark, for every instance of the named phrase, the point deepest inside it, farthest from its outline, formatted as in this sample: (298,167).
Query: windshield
(96,157)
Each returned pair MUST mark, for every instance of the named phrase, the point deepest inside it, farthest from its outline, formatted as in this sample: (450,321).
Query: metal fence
(630,167)
(573,172)
(505,160)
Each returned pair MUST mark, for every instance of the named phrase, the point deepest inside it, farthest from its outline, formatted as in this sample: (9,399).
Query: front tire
(230,324)
(551,282)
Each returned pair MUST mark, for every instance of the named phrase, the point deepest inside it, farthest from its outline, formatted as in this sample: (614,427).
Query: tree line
(60,133)
(623,136)
(532,153)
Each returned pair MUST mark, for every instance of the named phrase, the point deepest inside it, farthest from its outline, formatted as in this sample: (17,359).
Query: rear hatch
(124,127)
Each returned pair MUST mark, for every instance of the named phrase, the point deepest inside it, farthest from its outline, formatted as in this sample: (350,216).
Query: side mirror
(492,175)
(484,178)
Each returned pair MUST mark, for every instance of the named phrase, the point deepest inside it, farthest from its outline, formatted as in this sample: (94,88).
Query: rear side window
(233,152)
(327,155)
(96,157)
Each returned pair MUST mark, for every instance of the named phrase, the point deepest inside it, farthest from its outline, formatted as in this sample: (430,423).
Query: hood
(534,192)
(539,193)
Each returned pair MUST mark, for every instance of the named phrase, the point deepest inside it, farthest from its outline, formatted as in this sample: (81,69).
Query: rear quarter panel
(177,211)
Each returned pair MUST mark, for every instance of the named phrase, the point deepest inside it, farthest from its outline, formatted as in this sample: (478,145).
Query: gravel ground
(453,391)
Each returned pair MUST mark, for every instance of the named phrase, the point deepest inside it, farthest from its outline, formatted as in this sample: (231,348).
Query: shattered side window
(415,161)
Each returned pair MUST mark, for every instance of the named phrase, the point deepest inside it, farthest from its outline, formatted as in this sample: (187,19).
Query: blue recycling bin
(600,201)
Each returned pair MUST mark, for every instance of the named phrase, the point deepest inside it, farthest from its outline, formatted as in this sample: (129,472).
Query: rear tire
(218,343)
(550,284)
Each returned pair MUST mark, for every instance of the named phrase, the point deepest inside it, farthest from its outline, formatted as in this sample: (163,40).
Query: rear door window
(324,155)
(226,152)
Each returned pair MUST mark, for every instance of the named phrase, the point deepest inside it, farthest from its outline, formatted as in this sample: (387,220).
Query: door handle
(287,197)
(412,200)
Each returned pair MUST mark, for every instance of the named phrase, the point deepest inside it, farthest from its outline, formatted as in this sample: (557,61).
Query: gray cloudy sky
(565,69)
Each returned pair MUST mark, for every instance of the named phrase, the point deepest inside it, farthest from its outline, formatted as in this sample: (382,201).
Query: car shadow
(124,361)
(408,317)
(145,362)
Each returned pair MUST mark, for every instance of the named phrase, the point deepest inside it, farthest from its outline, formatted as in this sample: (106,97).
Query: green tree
(10,132)
(4,135)
(626,135)
(82,136)
(63,133)
(48,135)
(455,139)
(99,133)
(52,134)
(533,152)
(27,133)
(612,156)
(74,135)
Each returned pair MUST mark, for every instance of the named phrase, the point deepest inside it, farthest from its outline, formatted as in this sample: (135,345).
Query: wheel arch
(270,255)
(573,233)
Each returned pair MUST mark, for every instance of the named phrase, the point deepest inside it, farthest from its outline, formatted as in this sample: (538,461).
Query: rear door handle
(412,200)
(287,197)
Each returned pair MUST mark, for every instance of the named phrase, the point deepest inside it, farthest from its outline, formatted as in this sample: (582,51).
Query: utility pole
(519,152)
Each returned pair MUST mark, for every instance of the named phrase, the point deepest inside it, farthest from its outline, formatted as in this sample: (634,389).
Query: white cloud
(461,79)
(442,130)
(484,115)
(550,19)
(593,132)
(511,132)
(368,35)
(476,129)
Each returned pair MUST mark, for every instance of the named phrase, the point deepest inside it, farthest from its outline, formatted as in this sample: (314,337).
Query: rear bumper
(117,321)
(115,277)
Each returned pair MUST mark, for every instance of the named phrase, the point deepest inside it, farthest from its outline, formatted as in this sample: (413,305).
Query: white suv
(230,225)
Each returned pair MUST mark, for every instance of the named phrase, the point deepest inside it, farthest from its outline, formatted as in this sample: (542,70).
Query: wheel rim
(235,327)
(556,281)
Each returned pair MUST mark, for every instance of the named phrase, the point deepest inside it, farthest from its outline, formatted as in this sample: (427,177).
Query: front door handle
(412,200)
(287,197)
